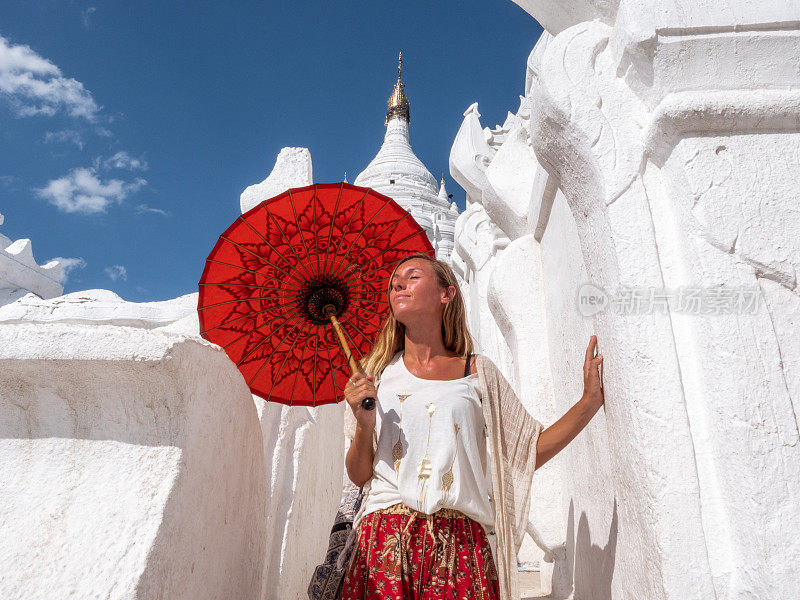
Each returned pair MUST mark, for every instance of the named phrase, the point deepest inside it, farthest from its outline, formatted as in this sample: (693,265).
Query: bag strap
(466,364)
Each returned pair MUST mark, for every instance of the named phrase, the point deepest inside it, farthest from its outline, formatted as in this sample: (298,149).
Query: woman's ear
(451,293)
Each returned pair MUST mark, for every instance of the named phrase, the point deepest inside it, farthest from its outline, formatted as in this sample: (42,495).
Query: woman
(431,489)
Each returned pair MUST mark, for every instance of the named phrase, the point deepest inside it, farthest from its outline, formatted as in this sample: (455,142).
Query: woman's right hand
(357,389)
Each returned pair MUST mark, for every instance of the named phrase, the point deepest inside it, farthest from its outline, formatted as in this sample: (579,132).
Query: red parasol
(283,276)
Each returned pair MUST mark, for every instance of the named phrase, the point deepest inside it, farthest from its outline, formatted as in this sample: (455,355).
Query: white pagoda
(398,173)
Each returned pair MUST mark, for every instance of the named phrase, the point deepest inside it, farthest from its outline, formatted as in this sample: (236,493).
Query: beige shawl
(512,434)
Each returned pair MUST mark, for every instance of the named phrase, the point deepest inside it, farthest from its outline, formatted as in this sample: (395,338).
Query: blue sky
(128,130)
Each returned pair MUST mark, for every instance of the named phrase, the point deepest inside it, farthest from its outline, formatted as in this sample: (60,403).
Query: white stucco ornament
(555,17)
(292,169)
(654,153)
(19,273)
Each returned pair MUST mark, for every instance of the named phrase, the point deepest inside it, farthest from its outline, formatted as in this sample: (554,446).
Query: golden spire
(398,103)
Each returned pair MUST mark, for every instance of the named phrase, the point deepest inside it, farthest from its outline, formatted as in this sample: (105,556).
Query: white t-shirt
(431,445)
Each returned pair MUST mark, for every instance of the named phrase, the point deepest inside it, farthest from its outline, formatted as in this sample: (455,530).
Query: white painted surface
(302,457)
(555,17)
(99,307)
(304,464)
(398,173)
(132,467)
(19,273)
(292,169)
(657,145)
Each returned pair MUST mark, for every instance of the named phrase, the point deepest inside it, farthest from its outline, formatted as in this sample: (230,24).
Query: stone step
(530,585)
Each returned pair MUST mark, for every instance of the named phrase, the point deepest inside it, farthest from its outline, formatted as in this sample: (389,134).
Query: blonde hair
(391,339)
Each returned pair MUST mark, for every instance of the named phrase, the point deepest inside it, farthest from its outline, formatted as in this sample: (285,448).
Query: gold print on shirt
(447,478)
(424,466)
(397,449)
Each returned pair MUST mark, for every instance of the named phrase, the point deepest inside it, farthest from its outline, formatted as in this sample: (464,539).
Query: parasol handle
(330,312)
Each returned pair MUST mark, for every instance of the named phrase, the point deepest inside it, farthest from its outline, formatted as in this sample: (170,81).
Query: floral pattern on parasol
(264,283)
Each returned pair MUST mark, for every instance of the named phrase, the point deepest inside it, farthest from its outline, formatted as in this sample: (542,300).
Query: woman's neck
(423,343)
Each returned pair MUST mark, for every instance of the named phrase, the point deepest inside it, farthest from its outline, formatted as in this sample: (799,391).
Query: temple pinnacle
(398,105)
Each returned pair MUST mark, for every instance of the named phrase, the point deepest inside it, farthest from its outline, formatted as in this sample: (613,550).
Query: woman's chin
(402,314)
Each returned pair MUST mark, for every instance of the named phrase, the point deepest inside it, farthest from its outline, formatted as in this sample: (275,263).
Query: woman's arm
(556,437)
(361,454)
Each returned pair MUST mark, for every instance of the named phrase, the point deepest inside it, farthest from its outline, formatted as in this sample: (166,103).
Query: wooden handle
(330,312)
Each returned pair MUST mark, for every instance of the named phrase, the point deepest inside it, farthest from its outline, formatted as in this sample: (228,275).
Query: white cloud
(68,265)
(143,208)
(35,86)
(116,272)
(86,14)
(82,191)
(123,160)
(64,136)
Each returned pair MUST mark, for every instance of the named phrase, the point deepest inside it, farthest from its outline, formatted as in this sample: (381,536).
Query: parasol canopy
(285,269)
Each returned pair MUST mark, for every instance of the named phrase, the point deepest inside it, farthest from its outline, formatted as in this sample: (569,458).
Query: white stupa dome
(398,173)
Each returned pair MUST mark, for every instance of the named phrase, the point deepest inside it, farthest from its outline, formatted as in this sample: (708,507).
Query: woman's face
(415,291)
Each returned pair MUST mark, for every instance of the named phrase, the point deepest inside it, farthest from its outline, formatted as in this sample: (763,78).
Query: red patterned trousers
(405,555)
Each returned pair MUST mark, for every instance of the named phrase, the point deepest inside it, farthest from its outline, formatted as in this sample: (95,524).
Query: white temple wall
(685,486)
(723,218)
(101,307)
(132,466)
(301,447)
(691,200)
(588,518)
(305,459)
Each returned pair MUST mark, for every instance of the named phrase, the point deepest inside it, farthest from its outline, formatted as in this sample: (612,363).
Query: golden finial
(398,103)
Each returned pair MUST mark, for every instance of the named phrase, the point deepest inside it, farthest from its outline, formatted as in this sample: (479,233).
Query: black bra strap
(466,365)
